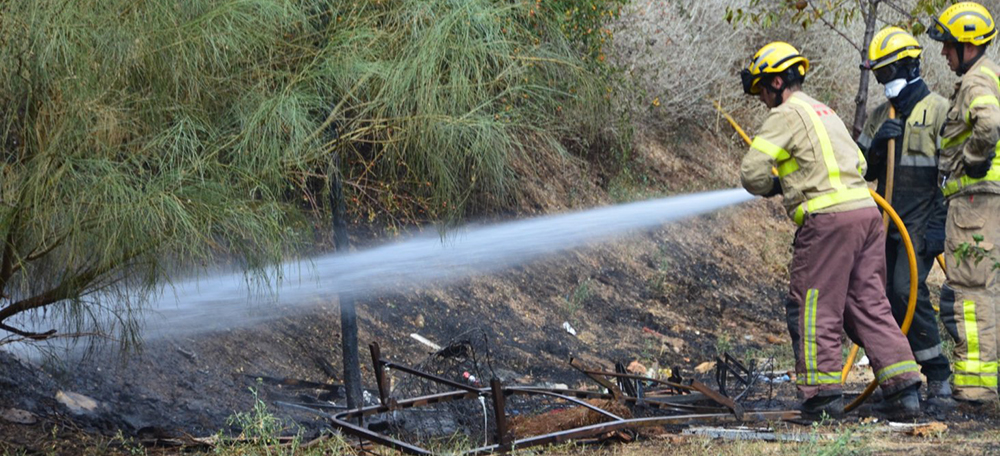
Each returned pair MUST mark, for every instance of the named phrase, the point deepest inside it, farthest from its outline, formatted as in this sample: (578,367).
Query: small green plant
(652,350)
(259,428)
(577,297)
(848,440)
(976,252)
(723,344)
(659,285)
(53,448)
(455,444)
(629,184)
(13,451)
(780,354)
(128,444)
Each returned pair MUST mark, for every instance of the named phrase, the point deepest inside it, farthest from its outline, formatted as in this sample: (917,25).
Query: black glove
(978,171)
(775,188)
(890,129)
(933,242)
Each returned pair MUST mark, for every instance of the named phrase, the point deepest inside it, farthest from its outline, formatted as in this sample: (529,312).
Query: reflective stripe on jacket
(921,138)
(971,133)
(915,188)
(819,165)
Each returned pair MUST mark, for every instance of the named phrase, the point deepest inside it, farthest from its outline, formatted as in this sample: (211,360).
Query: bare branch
(70,287)
(26,334)
(834,28)
(36,254)
(898,8)
(76,335)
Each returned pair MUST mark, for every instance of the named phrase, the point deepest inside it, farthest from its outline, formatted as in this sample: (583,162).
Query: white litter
(425,341)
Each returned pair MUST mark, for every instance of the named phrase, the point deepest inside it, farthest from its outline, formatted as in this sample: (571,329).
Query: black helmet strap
(963,66)
(789,77)
(778,92)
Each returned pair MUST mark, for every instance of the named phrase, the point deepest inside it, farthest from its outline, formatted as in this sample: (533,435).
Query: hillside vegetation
(144,137)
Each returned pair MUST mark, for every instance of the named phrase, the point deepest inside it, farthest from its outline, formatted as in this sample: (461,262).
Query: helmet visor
(939,32)
(748,80)
(886,73)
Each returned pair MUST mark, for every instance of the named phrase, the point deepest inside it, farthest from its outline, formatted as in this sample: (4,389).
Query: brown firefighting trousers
(970,298)
(838,282)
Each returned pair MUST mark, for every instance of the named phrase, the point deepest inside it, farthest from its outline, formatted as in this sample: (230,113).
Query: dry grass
(829,440)
(684,54)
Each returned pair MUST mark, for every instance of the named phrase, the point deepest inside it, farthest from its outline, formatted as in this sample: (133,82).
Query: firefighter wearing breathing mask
(970,179)
(838,267)
(894,57)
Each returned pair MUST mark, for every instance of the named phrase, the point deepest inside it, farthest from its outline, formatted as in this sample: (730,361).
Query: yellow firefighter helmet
(966,22)
(772,59)
(889,45)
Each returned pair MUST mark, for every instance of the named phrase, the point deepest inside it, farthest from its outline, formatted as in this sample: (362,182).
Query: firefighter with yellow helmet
(838,268)
(970,179)
(894,58)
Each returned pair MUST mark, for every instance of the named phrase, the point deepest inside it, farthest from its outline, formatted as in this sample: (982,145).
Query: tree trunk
(861,99)
(348,310)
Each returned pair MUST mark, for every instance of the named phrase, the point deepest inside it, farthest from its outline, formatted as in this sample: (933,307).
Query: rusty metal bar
(638,377)
(500,414)
(504,441)
(380,380)
(665,403)
(554,393)
(717,397)
(411,403)
(604,428)
(340,420)
(580,366)
(381,439)
(435,378)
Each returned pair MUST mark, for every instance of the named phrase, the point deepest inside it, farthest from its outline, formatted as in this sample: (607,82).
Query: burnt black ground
(192,385)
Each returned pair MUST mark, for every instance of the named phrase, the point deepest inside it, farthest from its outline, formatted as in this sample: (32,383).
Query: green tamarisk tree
(139,139)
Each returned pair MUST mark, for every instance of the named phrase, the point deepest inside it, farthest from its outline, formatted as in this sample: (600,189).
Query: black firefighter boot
(815,407)
(939,395)
(902,404)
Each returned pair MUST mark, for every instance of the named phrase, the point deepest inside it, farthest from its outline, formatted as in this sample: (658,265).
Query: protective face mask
(893,87)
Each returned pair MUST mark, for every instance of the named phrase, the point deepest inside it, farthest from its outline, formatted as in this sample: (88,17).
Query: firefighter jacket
(971,133)
(819,166)
(916,197)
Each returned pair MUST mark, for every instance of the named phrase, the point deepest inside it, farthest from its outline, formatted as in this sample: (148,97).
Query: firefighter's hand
(775,188)
(933,242)
(979,170)
(891,128)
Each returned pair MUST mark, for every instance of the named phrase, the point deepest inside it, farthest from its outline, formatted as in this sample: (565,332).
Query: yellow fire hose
(910,307)
(911,256)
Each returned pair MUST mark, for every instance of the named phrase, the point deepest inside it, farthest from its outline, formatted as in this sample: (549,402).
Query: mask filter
(893,87)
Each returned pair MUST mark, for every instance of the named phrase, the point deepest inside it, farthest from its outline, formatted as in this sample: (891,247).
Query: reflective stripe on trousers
(972,371)
(811,347)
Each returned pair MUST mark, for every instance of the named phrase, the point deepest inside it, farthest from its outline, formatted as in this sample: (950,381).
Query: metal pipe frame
(498,395)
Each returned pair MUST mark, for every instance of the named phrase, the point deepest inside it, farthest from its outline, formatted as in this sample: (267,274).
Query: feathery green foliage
(139,138)
(442,95)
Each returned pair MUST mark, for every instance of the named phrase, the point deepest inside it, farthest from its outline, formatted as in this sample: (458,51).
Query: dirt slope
(700,283)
